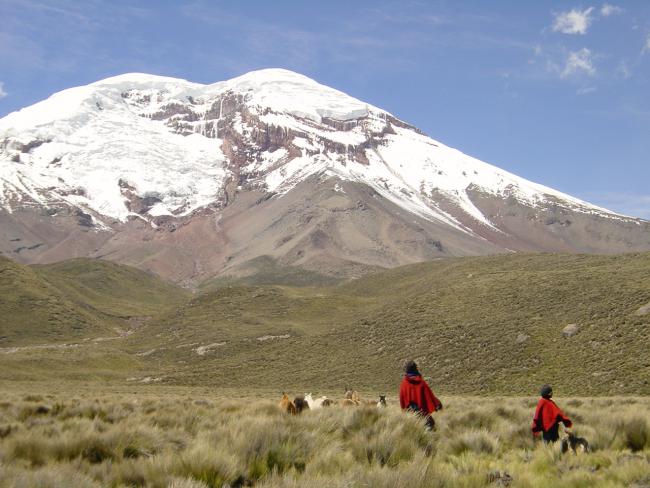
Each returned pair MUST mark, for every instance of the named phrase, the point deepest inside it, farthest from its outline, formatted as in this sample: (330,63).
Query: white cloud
(646,47)
(607,9)
(3,93)
(586,90)
(579,62)
(573,22)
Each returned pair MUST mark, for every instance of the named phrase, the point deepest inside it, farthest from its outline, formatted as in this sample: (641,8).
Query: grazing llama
(315,404)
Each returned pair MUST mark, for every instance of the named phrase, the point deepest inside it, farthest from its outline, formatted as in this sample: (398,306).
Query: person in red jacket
(548,417)
(416,396)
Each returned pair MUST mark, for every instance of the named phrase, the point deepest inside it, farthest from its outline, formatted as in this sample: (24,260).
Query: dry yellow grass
(176,440)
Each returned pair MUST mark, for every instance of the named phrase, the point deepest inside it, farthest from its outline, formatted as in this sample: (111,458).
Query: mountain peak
(265,75)
(281,75)
(136,78)
(159,151)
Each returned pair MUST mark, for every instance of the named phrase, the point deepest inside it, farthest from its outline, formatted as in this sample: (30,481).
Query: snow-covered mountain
(191,180)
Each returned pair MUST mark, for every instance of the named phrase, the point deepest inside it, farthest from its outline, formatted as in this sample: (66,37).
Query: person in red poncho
(548,417)
(416,396)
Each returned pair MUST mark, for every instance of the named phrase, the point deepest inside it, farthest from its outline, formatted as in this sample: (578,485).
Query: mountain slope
(78,299)
(475,325)
(494,324)
(193,181)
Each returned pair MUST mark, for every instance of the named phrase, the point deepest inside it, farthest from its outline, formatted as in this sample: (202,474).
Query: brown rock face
(333,228)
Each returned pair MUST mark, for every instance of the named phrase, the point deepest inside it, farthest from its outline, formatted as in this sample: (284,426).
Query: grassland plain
(194,438)
(485,325)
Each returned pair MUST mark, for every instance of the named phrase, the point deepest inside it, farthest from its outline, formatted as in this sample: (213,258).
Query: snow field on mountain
(92,137)
(102,141)
(285,91)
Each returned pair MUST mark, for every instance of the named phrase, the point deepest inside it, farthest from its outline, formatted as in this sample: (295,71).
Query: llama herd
(308,402)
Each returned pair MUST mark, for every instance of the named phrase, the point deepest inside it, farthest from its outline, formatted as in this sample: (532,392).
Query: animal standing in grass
(301,404)
(351,398)
(572,442)
(382,402)
(287,405)
(315,404)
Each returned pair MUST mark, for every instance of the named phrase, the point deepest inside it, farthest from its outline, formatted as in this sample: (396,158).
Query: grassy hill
(496,323)
(475,325)
(80,298)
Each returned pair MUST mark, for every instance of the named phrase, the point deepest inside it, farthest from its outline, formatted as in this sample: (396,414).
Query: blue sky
(556,92)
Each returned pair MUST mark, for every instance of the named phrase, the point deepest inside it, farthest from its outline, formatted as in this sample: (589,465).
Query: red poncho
(414,390)
(547,414)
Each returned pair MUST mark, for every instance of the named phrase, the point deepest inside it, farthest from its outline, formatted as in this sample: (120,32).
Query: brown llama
(352,398)
(327,402)
(301,404)
(287,405)
(356,397)
(346,402)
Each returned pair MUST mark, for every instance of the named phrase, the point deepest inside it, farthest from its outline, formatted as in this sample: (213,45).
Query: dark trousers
(429,423)
(552,434)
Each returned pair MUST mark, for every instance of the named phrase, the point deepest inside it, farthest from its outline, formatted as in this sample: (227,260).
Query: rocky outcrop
(570,330)
(645,310)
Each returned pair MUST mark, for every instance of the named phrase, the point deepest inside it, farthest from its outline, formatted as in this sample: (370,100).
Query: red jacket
(414,392)
(547,414)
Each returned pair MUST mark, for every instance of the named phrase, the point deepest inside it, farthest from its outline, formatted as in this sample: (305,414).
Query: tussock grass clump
(174,441)
(204,463)
(476,441)
(6,430)
(636,433)
(33,398)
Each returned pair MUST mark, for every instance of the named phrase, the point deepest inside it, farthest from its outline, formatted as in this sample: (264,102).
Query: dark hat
(546,391)
(411,367)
